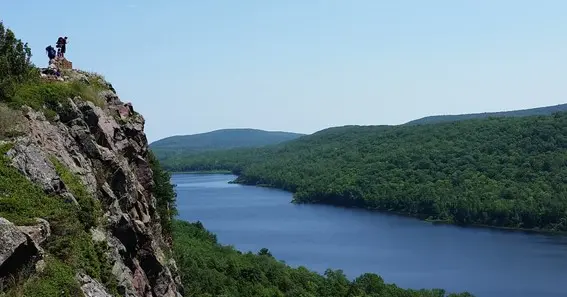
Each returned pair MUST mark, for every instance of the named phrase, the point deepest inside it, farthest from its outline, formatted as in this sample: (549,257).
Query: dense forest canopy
(547,110)
(505,172)
(218,140)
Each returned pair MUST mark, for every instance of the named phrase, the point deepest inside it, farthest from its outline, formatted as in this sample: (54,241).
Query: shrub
(42,95)
(58,279)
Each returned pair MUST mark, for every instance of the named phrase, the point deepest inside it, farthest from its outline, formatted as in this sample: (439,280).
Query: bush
(58,279)
(42,95)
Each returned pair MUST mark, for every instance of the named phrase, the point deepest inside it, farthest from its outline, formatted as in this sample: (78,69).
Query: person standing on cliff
(62,45)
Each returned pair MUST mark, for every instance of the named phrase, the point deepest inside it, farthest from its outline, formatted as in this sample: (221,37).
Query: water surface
(405,251)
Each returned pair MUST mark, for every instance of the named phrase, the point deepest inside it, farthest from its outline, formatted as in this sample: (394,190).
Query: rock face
(106,147)
(20,247)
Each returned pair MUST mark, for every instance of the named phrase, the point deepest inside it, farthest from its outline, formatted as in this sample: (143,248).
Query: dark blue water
(405,251)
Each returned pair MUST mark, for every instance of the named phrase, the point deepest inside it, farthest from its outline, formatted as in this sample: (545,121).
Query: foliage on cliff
(165,196)
(506,172)
(69,248)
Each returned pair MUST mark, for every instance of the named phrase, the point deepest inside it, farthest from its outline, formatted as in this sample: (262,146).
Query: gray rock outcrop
(91,287)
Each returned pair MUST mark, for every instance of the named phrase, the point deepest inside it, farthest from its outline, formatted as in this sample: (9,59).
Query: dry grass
(12,122)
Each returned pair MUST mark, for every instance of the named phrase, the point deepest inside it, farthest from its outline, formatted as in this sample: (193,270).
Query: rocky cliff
(100,143)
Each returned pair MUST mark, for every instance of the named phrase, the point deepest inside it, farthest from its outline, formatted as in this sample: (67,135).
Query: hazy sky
(304,65)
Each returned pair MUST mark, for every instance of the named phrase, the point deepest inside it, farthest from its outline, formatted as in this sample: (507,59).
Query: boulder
(91,287)
(37,233)
(19,253)
(12,241)
(33,163)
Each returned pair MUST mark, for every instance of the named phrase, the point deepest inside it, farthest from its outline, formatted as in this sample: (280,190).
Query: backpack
(50,50)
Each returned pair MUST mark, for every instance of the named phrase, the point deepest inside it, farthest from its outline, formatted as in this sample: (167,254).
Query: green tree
(165,196)
(265,252)
(15,65)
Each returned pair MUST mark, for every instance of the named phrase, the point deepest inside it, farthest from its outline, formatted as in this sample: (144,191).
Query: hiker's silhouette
(61,46)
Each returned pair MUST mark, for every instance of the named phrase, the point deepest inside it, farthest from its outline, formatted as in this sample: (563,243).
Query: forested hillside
(218,140)
(547,110)
(505,172)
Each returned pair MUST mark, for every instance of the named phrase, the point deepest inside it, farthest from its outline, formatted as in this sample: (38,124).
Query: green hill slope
(547,110)
(506,172)
(218,140)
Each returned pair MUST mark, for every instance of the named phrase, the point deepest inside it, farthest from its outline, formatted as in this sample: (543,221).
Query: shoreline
(431,221)
(224,172)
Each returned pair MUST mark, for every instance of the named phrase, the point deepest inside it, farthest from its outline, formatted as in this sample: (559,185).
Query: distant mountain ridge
(546,110)
(219,140)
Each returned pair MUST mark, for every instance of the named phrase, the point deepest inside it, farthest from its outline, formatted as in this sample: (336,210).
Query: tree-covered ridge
(505,172)
(219,140)
(547,110)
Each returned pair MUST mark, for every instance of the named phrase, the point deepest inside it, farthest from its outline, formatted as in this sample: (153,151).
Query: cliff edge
(96,215)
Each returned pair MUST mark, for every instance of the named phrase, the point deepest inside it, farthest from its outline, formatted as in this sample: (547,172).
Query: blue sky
(302,66)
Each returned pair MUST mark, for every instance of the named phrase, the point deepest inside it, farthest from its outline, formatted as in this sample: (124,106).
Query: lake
(405,251)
